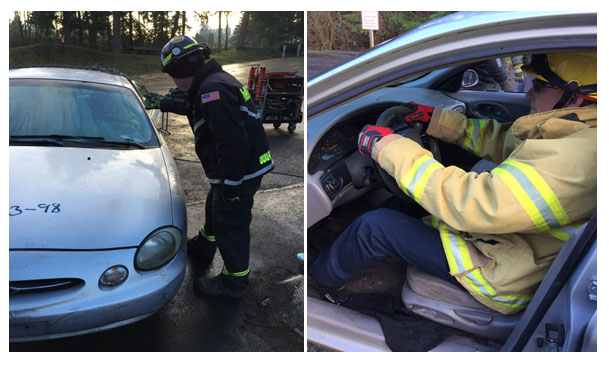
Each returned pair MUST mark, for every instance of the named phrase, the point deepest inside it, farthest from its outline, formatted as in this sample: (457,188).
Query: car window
(70,108)
(139,87)
(498,74)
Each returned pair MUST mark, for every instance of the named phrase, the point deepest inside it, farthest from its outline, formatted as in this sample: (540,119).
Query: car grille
(39,286)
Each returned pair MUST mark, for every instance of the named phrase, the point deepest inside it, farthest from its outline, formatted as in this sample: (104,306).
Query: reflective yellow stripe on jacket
(460,263)
(413,183)
(564,233)
(473,135)
(534,194)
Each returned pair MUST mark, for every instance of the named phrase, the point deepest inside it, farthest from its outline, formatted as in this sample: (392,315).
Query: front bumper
(86,308)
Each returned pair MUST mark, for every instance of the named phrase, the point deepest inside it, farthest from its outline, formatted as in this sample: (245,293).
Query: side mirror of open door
(470,78)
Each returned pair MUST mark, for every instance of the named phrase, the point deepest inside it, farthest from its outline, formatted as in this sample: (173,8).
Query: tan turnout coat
(502,229)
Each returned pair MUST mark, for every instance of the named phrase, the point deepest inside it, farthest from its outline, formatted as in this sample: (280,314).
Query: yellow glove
(518,73)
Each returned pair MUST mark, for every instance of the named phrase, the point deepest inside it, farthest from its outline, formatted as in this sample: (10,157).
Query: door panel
(503,106)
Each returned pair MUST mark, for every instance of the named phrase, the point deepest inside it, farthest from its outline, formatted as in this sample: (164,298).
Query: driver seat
(445,303)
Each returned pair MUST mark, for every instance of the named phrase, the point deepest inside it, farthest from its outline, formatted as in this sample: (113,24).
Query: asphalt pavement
(319,62)
(271,315)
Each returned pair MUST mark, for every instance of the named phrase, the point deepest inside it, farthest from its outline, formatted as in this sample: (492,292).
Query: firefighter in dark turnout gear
(232,146)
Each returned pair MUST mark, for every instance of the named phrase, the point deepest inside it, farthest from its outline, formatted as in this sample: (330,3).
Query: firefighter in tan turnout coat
(499,230)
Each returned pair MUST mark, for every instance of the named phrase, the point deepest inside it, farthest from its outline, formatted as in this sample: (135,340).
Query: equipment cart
(277,95)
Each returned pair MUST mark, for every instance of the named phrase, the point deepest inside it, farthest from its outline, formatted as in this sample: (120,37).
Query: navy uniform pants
(375,236)
(230,222)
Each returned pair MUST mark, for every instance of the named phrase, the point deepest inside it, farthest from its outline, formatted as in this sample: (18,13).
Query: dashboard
(341,140)
(337,174)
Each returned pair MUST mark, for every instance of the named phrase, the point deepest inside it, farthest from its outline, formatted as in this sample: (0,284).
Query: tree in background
(99,30)
(219,31)
(342,30)
(242,32)
(266,29)
(226,30)
(117,44)
(126,30)
(322,28)
(175,24)
(66,23)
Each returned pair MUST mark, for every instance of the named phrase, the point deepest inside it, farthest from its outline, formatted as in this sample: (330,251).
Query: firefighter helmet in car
(574,72)
(182,56)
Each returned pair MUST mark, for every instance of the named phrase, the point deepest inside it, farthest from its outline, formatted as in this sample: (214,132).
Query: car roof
(72,74)
(448,41)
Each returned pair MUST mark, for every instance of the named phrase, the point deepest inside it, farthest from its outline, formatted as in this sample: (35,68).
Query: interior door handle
(491,110)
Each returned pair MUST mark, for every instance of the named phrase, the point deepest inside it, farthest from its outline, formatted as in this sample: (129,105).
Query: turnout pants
(230,222)
(377,235)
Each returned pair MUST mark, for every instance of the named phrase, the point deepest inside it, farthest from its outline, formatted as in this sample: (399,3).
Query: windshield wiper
(57,139)
(35,140)
(122,143)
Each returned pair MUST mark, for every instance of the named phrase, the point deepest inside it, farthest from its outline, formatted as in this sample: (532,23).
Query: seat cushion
(434,288)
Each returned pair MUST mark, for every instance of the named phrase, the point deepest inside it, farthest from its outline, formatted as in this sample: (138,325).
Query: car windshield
(77,113)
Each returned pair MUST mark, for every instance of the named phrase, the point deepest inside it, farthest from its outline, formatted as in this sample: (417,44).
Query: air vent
(459,108)
(39,286)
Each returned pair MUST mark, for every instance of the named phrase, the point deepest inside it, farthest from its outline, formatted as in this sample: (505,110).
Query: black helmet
(182,56)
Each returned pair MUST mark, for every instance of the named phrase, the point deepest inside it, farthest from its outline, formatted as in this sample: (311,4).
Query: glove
(518,74)
(175,102)
(368,136)
(421,113)
(152,101)
(230,193)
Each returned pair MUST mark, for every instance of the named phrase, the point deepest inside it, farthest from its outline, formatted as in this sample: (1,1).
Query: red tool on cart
(278,96)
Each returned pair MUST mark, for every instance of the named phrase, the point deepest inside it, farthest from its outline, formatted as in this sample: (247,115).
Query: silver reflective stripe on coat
(534,194)
(262,171)
(476,281)
(460,261)
(474,131)
(232,182)
(198,124)
(245,109)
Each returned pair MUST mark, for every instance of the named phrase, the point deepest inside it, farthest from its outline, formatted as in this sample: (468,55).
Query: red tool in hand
(368,136)
(421,113)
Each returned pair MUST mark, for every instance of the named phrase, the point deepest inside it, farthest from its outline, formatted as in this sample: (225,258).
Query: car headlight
(158,248)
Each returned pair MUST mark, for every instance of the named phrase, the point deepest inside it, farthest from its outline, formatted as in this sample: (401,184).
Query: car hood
(82,198)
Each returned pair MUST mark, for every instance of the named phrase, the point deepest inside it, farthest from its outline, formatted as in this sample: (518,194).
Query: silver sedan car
(440,64)
(97,217)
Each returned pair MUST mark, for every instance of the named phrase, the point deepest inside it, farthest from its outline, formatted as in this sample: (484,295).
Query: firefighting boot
(226,284)
(318,291)
(203,245)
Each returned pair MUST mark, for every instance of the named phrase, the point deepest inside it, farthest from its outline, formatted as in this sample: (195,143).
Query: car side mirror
(470,78)
(151,100)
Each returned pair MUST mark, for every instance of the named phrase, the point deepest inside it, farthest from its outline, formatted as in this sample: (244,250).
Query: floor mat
(404,332)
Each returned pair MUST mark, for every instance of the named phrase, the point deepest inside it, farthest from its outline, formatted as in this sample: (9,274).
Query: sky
(193,22)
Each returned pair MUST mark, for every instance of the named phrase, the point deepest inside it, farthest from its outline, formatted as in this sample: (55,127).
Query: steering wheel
(394,118)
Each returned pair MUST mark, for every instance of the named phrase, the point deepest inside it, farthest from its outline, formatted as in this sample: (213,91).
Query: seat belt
(559,273)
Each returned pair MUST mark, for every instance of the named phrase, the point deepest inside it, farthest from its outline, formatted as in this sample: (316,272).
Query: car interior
(346,185)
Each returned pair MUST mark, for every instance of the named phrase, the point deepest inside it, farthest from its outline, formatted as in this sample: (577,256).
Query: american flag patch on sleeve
(212,96)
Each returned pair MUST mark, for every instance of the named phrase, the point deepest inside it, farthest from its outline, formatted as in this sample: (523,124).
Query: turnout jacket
(502,229)
(229,138)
